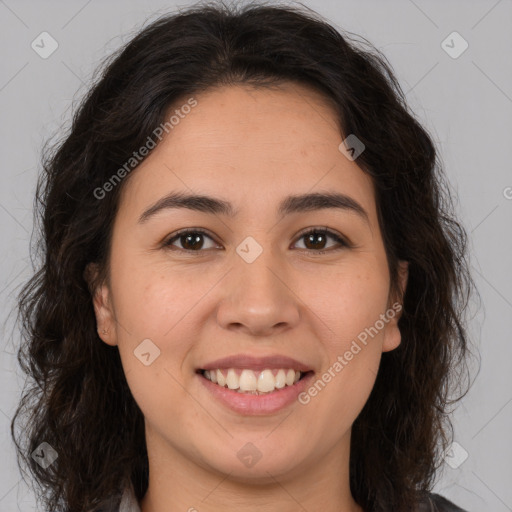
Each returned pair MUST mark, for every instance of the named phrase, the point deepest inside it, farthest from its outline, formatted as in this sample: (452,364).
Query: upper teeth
(249,380)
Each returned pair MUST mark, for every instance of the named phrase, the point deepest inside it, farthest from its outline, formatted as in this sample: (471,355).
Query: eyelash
(324,231)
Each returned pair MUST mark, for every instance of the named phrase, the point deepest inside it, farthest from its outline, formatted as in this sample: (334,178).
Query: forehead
(256,144)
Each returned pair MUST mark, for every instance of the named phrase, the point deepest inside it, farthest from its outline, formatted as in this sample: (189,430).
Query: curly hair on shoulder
(77,399)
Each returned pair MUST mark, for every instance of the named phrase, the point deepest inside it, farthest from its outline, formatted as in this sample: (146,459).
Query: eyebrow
(291,204)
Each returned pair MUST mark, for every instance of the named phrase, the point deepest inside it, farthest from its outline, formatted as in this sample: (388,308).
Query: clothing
(433,503)
(436,503)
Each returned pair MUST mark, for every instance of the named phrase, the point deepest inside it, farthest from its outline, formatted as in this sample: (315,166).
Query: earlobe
(392,337)
(102,304)
(392,334)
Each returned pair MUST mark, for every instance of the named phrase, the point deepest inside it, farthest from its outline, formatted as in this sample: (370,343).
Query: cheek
(346,301)
(155,302)
(352,351)
(150,306)
(347,306)
(141,301)
(146,295)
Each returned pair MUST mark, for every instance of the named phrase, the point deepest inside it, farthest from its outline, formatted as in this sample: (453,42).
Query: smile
(253,382)
(230,390)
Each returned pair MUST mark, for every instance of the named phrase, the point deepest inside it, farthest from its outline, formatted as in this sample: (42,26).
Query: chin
(251,463)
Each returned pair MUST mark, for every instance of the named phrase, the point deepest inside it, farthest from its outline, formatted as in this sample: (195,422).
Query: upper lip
(246,361)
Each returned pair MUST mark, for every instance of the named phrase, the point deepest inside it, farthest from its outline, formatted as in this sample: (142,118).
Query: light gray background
(466,103)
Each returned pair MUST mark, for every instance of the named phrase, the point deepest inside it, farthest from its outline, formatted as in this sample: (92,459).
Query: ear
(101,299)
(392,336)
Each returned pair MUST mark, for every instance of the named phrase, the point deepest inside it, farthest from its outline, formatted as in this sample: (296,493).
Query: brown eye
(191,240)
(315,240)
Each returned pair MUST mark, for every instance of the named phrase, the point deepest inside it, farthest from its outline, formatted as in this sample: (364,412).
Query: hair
(77,399)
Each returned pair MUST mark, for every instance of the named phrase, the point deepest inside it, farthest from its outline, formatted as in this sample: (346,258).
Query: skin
(251,147)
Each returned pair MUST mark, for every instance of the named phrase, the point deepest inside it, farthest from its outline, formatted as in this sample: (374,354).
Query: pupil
(195,244)
(312,236)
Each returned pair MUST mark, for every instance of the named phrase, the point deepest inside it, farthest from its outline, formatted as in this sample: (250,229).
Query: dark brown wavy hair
(77,399)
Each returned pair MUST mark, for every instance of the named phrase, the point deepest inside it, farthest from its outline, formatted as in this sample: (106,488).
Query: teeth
(281,379)
(221,380)
(266,382)
(232,379)
(248,381)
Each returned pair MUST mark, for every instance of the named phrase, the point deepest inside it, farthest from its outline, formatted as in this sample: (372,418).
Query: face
(261,282)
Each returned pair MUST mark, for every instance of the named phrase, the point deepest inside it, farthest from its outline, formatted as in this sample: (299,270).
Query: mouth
(254,382)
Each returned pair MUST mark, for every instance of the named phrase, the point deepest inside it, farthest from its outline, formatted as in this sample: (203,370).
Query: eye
(318,236)
(191,240)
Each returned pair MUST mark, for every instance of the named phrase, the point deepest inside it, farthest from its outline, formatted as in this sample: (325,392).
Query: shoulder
(435,503)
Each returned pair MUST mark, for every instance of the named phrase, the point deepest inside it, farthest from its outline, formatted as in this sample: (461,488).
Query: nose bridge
(256,270)
(258,297)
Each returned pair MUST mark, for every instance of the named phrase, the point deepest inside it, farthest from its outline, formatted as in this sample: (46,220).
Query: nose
(258,298)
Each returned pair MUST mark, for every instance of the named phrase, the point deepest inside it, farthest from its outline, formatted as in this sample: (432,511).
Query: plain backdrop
(464,100)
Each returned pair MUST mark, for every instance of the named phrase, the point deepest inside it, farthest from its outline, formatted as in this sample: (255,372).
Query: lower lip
(248,404)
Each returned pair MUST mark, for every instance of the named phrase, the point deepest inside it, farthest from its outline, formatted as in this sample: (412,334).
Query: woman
(253,286)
